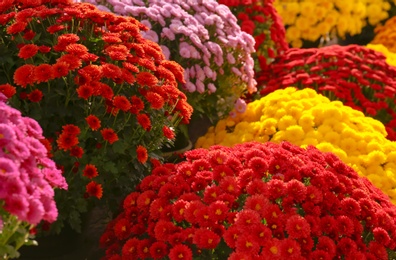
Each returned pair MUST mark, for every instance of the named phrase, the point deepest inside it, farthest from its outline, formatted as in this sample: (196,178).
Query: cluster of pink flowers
(254,201)
(28,177)
(356,75)
(205,38)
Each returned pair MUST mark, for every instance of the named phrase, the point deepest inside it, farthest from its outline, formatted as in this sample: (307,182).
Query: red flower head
(142,155)
(7,90)
(109,135)
(93,122)
(90,171)
(28,51)
(94,189)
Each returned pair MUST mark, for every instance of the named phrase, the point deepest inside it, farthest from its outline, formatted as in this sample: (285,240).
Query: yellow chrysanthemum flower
(312,20)
(304,118)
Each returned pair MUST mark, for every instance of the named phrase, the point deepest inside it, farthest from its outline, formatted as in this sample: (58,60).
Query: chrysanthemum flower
(94,189)
(109,135)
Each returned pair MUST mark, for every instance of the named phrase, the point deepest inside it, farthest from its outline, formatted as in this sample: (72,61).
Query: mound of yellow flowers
(304,117)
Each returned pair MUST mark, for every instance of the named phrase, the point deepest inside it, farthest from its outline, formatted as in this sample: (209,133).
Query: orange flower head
(66,141)
(122,103)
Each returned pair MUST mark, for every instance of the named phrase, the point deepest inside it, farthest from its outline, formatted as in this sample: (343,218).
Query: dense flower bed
(27,180)
(254,201)
(312,20)
(205,38)
(106,98)
(303,118)
(358,76)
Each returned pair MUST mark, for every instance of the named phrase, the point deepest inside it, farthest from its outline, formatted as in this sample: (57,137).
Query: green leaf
(75,220)
(119,147)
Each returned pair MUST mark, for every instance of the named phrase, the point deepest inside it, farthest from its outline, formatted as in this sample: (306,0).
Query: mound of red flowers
(254,201)
(355,75)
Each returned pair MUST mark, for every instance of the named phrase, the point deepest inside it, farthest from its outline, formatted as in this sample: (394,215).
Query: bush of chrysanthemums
(356,75)
(312,20)
(254,201)
(261,20)
(106,98)
(205,38)
(303,118)
(27,180)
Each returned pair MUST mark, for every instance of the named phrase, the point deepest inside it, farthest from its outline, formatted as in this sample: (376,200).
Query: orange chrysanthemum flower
(24,75)
(146,79)
(94,189)
(28,51)
(71,60)
(122,103)
(93,122)
(90,171)
(142,155)
(35,96)
(109,135)
(7,90)
(43,73)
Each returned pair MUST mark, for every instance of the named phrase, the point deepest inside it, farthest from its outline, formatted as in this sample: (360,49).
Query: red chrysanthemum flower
(146,79)
(159,250)
(7,90)
(94,189)
(76,49)
(180,252)
(144,121)
(66,141)
(168,133)
(156,100)
(43,73)
(297,227)
(71,60)
(93,122)
(24,75)
(55,28)
(121,103)
(122,228)
(85,91)
(71,129)
(35,96)
(90,171)
(60,69)
(16,27)
(141,153)
(290,249)
(76,151)
(247,243)
(206,239)
(28,51)
(137,105)
(129,250)
(109,135)
(44,49)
